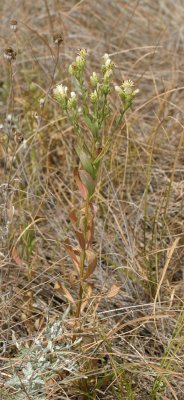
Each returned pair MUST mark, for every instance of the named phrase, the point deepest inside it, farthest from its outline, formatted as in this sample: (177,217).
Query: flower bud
(107,76)
(94,79)
(83,53)
(94,97)
(72,101)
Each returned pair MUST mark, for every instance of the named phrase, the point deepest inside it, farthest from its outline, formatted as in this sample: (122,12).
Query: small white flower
(80,62)
(72,102)
(118,89)
(60,93)
(73,95)
(107,60)
(60,90)
(127,87)
(106,57)
(136,91)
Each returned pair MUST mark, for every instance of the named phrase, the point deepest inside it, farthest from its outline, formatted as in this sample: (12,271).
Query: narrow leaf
(88,293)
(61,289)
(92,125)
(87,181)
(80,185)
(73,216)
(85,161)
(69,249)
(92,263)
(90,233)
(80,238)
(16,257)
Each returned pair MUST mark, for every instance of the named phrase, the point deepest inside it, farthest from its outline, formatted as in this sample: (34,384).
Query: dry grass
(132,341)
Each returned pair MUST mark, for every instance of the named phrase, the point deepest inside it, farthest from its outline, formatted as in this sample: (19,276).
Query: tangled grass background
(129,343)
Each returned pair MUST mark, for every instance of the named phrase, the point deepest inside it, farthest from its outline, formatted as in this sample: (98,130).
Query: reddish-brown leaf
(73,216)
(91,232)
(88,181)
(61,288)
(113,291)
(89,290)
(80,185)
(92,263)
(80,238)
(72,253)
(16,258)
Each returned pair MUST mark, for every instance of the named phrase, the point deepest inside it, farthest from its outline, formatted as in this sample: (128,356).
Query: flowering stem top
(90,106)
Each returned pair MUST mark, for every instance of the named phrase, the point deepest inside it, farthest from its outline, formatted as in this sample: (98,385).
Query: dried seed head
(13,25)
(37,118)
(18,137)
(9,119)
(10,54)
(57,38)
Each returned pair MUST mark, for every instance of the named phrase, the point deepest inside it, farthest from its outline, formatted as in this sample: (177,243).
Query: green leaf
(92,125)
(88,182)
(86,163)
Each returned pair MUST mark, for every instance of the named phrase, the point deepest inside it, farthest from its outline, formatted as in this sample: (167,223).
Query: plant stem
(83,257)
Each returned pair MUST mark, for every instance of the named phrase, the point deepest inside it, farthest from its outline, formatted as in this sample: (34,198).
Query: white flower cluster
(127,88)
(67,103)
(107,70)
(76,69)
(60,92)
(126,92)
(108,65)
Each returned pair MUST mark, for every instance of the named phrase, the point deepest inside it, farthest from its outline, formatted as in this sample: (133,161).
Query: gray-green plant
(48,355)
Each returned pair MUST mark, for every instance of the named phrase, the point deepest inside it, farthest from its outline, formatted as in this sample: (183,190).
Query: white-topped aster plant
(94,102)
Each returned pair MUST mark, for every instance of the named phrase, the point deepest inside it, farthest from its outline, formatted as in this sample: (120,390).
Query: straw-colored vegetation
(91,200)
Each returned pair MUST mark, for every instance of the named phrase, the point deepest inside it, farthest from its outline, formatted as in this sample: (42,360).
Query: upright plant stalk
(89,109)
